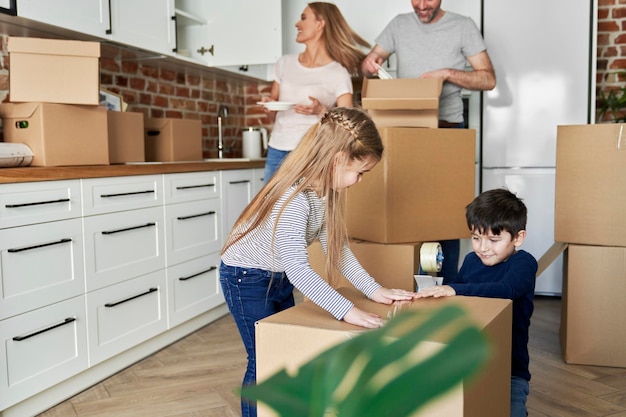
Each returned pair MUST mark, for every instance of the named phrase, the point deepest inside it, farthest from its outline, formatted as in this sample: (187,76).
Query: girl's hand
(315,107)
(361,318)
(387,296)
(436,292)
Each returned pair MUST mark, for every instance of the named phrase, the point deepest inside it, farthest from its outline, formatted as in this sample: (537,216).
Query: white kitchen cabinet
(237,192)
(146,24)
(191,186)
(258,180)
(235,32)
(106,195)
(85,16)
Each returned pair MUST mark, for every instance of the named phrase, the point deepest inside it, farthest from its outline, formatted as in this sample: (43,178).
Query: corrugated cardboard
(126,141)
(593,308)
(392,265)
(590,199)
(58,134)
(168,140)
(551,254)
(418,192)
(407,102)
(53,71)
(294,336)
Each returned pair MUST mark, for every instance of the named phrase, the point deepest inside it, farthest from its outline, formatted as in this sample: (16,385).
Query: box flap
(414,88)
(53,47)
(18,110)
(551,254)
(400,103)
(155,123)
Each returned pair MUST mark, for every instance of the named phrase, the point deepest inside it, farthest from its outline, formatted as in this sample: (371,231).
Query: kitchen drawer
(179,188)
(41,348)
(124,315)
(120,246)
(193,288)
(106,195)
(38,202)
(40,265)
(193,230)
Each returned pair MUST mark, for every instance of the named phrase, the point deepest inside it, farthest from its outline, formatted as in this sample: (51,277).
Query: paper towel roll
(15,155)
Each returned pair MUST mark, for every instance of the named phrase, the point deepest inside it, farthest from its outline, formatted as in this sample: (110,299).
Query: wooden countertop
(28,174)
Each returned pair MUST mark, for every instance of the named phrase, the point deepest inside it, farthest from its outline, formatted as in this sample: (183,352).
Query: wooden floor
(196,376)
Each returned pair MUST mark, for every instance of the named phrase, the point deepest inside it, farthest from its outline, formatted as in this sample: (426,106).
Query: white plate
(382,74)
(277,105)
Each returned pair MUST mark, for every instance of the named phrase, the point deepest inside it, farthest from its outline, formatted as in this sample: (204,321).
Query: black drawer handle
(38,203)
(151,290)
(66,321)
(43,245)
(239,182)
(186,187)
(213,268)
(124,194)
(110,232)
(208,213)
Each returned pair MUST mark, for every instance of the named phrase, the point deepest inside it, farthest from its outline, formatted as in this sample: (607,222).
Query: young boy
(495,268)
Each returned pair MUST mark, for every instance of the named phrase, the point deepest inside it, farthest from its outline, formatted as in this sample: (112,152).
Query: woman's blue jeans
(519,393)
(251,295)
(272,162)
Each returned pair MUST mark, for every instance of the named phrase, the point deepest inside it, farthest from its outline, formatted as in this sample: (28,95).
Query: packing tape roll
(431,256)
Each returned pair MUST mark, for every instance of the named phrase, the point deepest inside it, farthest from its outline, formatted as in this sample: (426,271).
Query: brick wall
(611,52)
(175,92)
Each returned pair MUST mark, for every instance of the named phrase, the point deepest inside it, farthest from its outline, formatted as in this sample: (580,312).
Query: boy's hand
(387,296)
(361,318)
(436,292)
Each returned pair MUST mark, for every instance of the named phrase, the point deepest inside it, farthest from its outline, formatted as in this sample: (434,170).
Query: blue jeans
(273,161)
(519,394)
(251,295)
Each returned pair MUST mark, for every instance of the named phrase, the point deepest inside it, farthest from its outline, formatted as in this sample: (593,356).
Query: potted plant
(613,102)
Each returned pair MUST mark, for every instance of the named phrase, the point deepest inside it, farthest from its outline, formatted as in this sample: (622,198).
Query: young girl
(265,255)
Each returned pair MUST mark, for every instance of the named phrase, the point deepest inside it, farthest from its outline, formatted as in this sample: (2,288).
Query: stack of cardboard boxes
(590,221)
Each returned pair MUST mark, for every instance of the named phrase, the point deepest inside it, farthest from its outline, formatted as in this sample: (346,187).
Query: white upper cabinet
(234,32)
(85,16)
(146,24)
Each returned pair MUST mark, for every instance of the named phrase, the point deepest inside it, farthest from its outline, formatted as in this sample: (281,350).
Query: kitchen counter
(28,174)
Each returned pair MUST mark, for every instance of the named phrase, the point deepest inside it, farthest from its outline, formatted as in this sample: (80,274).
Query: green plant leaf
(380,372)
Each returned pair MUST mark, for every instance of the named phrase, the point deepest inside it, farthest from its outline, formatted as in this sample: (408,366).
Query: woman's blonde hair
(341,41)
(342,135)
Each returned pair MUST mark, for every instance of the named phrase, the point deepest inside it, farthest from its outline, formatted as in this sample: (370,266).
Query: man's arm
(483,76)
(376,57)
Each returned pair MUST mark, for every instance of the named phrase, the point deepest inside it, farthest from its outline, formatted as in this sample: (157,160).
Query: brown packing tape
(551,254)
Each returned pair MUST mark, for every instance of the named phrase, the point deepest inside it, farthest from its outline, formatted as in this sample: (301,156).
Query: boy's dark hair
(496,210)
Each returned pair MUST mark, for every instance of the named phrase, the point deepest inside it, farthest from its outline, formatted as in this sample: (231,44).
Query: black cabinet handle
(66,321)
(186,187)
(124,194)
(208,213)
(109,30)
(38,203)
(110,232)
(43,245)
(239,182)
(213,268)
(151,290)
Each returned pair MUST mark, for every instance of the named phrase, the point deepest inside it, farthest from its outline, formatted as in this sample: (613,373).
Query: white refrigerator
(544,57)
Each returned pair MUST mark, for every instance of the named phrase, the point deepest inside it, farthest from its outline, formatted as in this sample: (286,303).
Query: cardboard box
(126,141)
(593,308)
(58,134)
(418,192)
(392,265)
(294,336)
(590,201)
(168,140)
(53,71)
(408,102)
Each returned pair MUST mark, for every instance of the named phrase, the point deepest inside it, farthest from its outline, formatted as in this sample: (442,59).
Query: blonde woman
(265,255)
(317,79)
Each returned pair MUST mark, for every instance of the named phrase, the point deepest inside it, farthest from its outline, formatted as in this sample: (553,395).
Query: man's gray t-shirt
(423,47)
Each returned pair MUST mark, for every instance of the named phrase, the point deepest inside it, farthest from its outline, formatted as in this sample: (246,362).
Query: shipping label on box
(590,193)
(53,71)
(292,337)
(419,190)
(169,140)
(58,134)
(407,102)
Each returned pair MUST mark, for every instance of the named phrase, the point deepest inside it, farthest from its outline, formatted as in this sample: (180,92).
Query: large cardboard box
(53,71)
(590,197)
(593,308)
(418,192)
(392,265)
(168,140)
(58,134)
(294,336)
(407,102)
(126,140)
